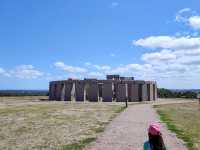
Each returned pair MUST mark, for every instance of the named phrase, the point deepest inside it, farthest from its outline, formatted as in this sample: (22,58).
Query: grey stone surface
(151,92)
(92,91)
(121,92)
(58,90)
(148,91)
(144,92)
(140,91)
(127,78)
(114,90)
(133,93)
(100,86)
(51,91)
(155,91)
(62,94)
(79,90)
(68,89)
(107,93)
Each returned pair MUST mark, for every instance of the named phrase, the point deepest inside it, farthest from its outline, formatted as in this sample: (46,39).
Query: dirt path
(128,131)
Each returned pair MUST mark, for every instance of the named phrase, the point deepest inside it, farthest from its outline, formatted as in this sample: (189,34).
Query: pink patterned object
(154,128)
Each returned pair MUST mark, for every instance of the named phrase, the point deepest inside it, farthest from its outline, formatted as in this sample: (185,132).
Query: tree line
(166,93)
(23,93)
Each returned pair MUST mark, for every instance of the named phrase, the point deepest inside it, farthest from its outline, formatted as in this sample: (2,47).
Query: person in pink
(155,138)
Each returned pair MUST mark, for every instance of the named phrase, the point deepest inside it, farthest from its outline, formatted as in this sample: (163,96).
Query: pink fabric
(154,128)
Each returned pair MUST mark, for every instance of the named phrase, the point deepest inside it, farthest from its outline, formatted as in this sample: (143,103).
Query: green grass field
(184,120)
(27,123)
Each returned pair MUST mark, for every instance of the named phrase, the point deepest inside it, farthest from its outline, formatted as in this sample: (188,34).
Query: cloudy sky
(44,40)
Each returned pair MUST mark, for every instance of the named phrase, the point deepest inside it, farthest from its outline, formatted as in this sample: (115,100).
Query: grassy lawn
(51,125)
(184,120)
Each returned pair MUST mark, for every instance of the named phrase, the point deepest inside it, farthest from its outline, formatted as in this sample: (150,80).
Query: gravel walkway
(128,131)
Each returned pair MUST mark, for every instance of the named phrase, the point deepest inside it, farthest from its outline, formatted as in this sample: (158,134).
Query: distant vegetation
(23,93)
(166,93)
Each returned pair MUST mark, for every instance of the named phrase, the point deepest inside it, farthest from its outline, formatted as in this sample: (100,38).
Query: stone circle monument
(114,88)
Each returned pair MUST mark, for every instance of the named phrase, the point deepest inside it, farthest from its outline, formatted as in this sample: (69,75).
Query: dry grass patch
(184,120)
(53,125)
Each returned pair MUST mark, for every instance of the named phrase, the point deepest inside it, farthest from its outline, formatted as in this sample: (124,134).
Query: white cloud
(194,22)
(118,70)
(51,77)
(175,62)
(88,64)
(114,4)
(164,55)
(188,17)
(129,68)
(184,10)
(182,15)
(22,72)
(189,60)
(68,68)
(181,50)
(188,52)
(169,42)
(98,67)
(112,55)
(2,71)
(95,74)
(102,67)
(25,72)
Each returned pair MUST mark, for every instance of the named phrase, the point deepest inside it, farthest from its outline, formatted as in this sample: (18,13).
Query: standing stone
(92,91)
(73,92)
(107,92)
(68,89)
(144,92)
(62,94)
(114,90)
(100,86)
(151,92)
(86,90)
(54,91)
(121,92)
(51,91)
(133,92)
(58,90)
(139,87)
(148,91)
(154,92)
(79,90)
(130,92)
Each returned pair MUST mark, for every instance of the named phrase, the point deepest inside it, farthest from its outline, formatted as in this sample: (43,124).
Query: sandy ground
(128,131)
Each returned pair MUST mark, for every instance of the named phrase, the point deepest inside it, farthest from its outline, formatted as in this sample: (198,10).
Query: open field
(27,123)
(184,120)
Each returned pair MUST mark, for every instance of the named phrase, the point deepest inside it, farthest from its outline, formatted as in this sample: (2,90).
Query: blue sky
(49,40)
